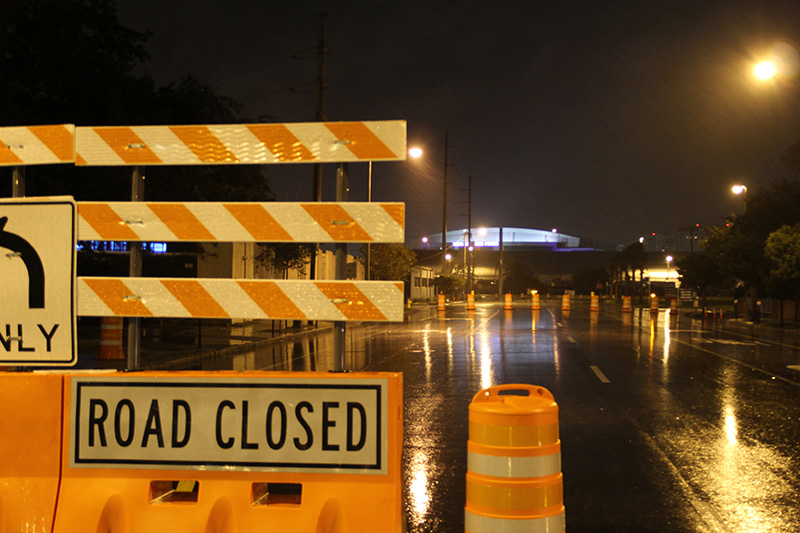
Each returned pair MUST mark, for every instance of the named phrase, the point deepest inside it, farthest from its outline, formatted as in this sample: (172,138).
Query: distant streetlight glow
(415,152)
(764,70)
(448,257)
(482,232)
(425,240)
(739,189)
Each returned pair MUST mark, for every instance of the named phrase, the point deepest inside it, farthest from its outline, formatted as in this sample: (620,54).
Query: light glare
(415,152)
(764,70)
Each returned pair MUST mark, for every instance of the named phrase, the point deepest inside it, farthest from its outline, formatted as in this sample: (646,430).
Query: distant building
(513,239)
(550,256)
(685,239)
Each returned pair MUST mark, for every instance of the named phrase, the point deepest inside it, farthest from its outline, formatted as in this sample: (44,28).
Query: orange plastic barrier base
(117,442)
(30,450)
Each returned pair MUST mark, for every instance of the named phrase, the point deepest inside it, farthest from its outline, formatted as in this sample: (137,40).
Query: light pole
(669,259)
(741,191)
(444,209)
(413,152)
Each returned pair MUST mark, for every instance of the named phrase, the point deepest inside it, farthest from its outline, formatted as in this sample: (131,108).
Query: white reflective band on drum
(516,467)
(474,523)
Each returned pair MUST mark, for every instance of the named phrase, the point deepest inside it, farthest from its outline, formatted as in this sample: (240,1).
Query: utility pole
(18,182)
(468,244)
(444,210)
(500,278)
(135,270)
(339,327)
(319,116)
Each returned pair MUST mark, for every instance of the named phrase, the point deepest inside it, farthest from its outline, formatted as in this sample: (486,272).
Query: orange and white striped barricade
(565,302)
(440,303)
(594,304)
(653,304)
(212,451)
(626,304)
(225,144)
(535,305)
(509,305)
(37,145)
(471,301)
(379,301)
(324,222)
(673,306)
(514,480)
(111,338)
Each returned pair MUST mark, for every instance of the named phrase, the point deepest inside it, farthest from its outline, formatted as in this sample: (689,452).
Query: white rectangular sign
(37,281)
(309,425)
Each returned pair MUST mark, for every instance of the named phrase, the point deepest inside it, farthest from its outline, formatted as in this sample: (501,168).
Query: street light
(741,191)
(413,152)
(669,259)
(764,70)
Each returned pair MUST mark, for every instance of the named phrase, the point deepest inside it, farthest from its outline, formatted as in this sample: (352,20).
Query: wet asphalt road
(667,424)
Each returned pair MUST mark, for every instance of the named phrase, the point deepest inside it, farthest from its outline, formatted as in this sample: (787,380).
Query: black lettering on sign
(224,444)
(271,442)
(124,442)
(309,434)
(246,445)
(353,446)
(48,336)
(177,406)
(97,421)
(19,337)
(153,426)
(326,424)
(6,341)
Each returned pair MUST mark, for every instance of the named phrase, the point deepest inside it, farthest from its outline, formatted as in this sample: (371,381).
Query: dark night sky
(604,119)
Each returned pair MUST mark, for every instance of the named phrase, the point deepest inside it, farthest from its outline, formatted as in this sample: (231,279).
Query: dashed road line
(599,373)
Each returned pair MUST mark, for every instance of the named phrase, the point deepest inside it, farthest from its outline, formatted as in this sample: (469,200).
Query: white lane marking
(599,373)
(573,341)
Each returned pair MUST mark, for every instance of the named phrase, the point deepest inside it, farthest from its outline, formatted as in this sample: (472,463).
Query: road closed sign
(297,424)
(37,281)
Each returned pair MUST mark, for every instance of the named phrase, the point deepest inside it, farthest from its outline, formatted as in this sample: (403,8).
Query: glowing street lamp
(764,70)
(415,152)
(741,191)
(669,260)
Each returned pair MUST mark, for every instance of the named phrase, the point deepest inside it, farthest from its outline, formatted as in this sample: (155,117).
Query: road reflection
(708,419)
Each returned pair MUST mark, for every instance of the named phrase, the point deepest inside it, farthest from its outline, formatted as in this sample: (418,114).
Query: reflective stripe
(241,222)
(244,298)
(513,498)
(241,143)
(475,523)
(516,435)
(513,467)
(37,145)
